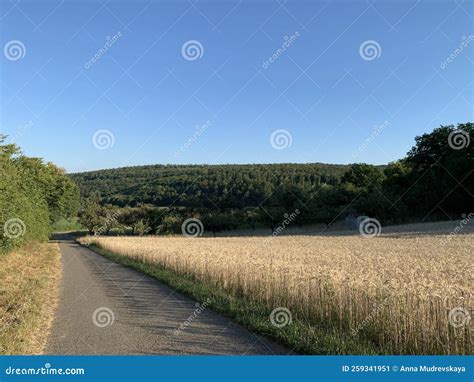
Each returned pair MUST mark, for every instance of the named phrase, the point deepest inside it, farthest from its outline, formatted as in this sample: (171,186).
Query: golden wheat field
(408,293)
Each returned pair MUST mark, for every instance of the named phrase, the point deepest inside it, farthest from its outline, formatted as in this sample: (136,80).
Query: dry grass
(29,279)
(394,291)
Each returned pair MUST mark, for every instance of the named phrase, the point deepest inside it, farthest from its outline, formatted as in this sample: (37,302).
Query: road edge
(299,337)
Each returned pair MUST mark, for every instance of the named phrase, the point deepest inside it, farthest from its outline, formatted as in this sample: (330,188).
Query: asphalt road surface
(106,308)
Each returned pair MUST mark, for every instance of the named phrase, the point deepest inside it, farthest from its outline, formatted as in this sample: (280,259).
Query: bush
(33,196)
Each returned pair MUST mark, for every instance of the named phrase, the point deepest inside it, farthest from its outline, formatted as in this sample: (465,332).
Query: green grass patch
(299,336)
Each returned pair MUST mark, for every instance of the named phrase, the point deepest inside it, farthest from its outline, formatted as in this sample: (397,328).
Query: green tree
(141,228)
(441,178)
(33,196)
(363,176)
(92,214)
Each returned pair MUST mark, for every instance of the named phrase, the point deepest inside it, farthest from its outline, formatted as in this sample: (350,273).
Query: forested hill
(435,180)
(228,186)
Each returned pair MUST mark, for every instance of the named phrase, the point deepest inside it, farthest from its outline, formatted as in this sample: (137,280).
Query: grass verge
(299,336)
(29,279)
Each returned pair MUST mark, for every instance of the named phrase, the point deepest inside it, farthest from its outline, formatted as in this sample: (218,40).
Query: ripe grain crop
(395,292)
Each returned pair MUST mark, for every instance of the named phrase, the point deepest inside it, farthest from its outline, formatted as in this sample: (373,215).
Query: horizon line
(230,164)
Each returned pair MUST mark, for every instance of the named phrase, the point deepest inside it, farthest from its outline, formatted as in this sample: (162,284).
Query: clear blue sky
(324,89)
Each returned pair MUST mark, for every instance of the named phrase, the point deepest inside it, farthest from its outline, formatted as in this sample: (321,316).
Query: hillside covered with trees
(203,186)
(33,196)
(434,181)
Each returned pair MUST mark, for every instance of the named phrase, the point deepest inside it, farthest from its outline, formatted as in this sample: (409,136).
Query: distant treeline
(203,186)
(33,196)
(434,181)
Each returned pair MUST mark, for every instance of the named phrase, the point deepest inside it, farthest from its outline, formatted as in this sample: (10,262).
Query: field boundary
(299,336)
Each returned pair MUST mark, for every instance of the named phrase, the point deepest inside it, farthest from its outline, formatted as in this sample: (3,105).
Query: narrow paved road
(106,308)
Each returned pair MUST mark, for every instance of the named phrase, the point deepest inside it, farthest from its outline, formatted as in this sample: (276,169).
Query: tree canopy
(434,181)
(33,195)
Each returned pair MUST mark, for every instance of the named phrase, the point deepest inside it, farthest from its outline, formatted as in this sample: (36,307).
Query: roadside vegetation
(394,294)
(67,225)
(404,292)
(345,294)
(34,197)
(301,337)
(29,279)
(433,182)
